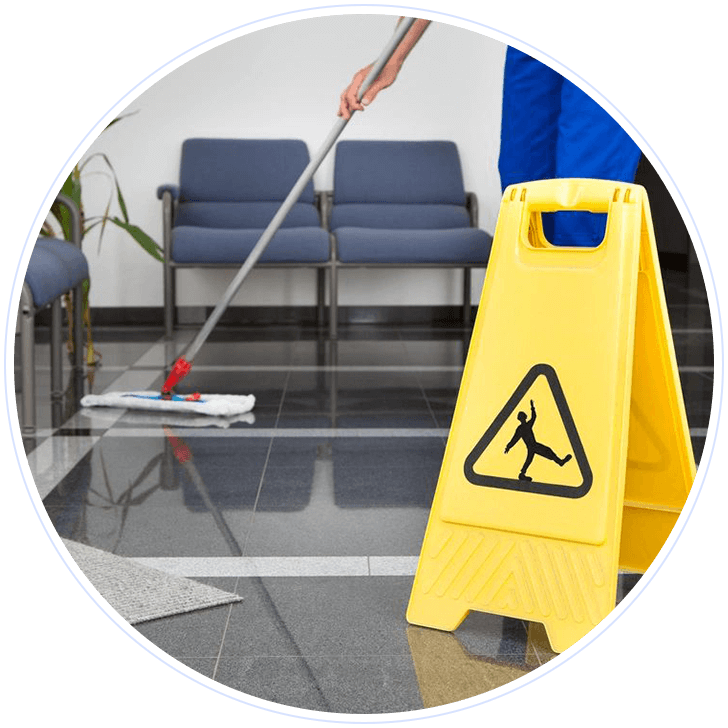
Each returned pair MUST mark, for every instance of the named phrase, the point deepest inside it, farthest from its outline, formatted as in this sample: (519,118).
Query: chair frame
(471,204)
(170,268)
(26,328)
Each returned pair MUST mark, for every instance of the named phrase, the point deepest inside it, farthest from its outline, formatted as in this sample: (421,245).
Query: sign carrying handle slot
(585,195)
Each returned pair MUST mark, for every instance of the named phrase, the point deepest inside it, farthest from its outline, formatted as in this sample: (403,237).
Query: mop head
(212,405)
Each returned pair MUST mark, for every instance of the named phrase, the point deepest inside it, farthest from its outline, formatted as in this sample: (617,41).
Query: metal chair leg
(56,349)
(169,273)
(467,293)
(333,301)
(78,346)
(27,362)
(169,299)
(320,297)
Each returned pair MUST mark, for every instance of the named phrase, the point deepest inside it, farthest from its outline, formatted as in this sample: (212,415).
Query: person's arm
(533,414)
(516,437)
(349,102)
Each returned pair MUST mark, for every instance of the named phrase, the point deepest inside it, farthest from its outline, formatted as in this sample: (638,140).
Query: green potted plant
(58,222)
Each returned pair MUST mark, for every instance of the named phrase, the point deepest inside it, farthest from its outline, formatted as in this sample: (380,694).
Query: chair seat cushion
(55,267)
(200,246)
(468,246)
(402,217)
(73,259)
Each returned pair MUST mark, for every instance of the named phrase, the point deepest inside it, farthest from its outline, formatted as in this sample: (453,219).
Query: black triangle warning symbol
(521,481)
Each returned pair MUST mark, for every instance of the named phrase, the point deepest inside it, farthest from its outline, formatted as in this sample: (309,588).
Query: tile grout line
(345,368)
(255,505)
(420,385)
(310,432)
(265,464)
(279,566)
(260,567)
(224,634)
(288,432)
(323,367)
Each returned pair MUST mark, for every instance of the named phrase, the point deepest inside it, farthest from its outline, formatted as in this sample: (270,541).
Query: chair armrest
(471,204)
(75,217)
(172,189)
(325,201)
(169,194)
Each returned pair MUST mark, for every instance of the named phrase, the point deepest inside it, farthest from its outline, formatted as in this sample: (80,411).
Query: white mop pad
(213,405)
(110,416)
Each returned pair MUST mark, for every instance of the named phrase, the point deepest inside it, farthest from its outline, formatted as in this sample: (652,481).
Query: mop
(217,405)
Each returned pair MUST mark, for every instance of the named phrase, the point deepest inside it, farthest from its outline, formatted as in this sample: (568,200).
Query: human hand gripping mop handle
(183,365)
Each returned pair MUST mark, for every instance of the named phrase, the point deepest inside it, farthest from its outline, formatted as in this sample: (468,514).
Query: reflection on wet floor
(312,508)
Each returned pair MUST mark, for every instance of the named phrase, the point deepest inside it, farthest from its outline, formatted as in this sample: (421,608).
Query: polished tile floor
(313,508)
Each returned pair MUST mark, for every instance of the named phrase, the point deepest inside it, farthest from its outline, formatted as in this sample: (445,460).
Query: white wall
(285,81)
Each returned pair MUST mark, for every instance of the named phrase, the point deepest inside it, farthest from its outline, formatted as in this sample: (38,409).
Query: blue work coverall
(552,129)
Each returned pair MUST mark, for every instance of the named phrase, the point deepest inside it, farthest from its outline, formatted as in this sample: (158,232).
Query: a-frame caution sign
(569,453)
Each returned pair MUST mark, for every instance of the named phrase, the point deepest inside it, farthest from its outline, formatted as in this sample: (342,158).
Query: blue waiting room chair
(403,204)
(56,267)
(228,192)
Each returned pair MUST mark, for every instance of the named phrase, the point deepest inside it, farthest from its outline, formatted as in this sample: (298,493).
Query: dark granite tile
(698,395)
(698,445)
(693,349)
(689,315)
(204,665)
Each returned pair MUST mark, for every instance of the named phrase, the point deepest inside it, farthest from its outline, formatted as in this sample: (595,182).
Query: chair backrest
(242,170)
(240,183)
(420,172)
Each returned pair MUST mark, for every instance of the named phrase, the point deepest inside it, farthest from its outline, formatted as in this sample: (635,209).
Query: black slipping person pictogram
(524,432)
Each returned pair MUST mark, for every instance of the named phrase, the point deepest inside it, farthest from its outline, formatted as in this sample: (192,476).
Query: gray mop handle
(292,198)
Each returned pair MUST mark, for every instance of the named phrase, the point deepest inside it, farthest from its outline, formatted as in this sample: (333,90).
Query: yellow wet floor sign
(569,454)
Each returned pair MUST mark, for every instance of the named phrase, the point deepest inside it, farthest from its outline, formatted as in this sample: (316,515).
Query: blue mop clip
(171,398)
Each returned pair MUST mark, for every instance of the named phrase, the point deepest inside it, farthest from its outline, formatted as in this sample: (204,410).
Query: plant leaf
(142,238)
(119,196)
(119,118)
(71,188)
